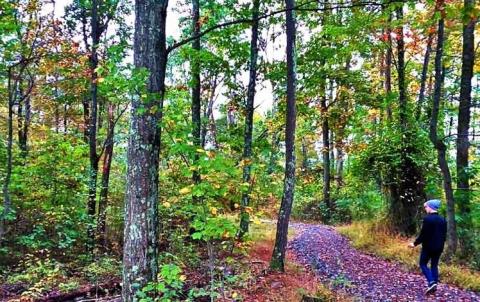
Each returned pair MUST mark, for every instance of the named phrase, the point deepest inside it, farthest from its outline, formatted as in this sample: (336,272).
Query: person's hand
(411,245)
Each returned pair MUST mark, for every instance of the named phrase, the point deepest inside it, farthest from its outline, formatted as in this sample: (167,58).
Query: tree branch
(297,8)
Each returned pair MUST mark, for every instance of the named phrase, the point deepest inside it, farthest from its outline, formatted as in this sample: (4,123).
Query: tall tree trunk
(326,158)
(388,69)
(407,188)
(249,109)
(196,89)
(140,249)
(463,144)
(65,118)
(332,155)
(208,116)
(423,79)
(7,203)
(401,72)
(438,143)
(304,155)
(92,131)
(23,116)
(107,163)
(86,118)
(278,257)
(340,160)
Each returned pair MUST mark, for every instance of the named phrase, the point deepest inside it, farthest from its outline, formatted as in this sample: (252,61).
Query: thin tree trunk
(20,120)
(326,158)
(332,155)
(340,159)
(107,163)
(401,73)
(249,110)
(208,116)
(65,118)
(388,69)
(7,203)
(304,155)
(140,249)
(86,118)
(423,79)
(278,257)
(463,144)
(196,100)
(92,131)
(438,143)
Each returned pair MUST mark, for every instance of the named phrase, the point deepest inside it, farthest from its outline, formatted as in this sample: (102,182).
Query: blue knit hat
(434,204)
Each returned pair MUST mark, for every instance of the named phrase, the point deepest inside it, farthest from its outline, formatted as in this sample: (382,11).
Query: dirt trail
(366,277)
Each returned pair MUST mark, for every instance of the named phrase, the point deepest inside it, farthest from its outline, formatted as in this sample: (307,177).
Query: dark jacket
(433,233)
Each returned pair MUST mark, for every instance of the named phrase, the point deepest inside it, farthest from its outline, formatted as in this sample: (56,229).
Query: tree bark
(106,168)
(23,116)
(439,145)
(339,167)
(304,155)
(209,121)
(463,144)
(407,186)
(249,110)
(196,89)
(278,257)
(7,203)
(326,158)
(388,68)
(92,129)
(140,249)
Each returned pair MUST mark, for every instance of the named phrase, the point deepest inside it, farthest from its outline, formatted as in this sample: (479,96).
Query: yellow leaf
(213,210)
(183,278)
(234,295)
(166,204)
(200,150)
(210,154)
(100,80)
(185,190)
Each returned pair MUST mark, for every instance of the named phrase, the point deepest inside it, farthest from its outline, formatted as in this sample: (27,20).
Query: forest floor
(364,277)
(321,263)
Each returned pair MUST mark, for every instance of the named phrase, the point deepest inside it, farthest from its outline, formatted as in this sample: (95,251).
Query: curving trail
(368,278)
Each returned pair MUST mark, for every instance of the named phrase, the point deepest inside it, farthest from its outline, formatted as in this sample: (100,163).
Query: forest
(234,150)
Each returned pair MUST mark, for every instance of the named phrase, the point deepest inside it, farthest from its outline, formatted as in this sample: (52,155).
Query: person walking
(432,237)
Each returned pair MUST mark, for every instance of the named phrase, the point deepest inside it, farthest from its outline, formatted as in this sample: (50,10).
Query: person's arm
(423,233)
(444,231)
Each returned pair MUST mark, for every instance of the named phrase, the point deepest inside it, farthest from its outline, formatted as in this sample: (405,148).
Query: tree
(437,142)
(22,54)
(247,149)
(196,89)
(464,115)
(140,248)
(96,32)
(278,257)
(407,185)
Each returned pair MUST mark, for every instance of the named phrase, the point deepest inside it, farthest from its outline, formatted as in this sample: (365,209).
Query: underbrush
(36,276)
(376,239)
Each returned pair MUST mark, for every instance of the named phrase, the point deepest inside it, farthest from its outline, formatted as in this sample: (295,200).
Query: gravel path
(363,276)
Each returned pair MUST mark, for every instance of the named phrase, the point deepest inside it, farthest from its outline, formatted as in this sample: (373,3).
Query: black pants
(430,273)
